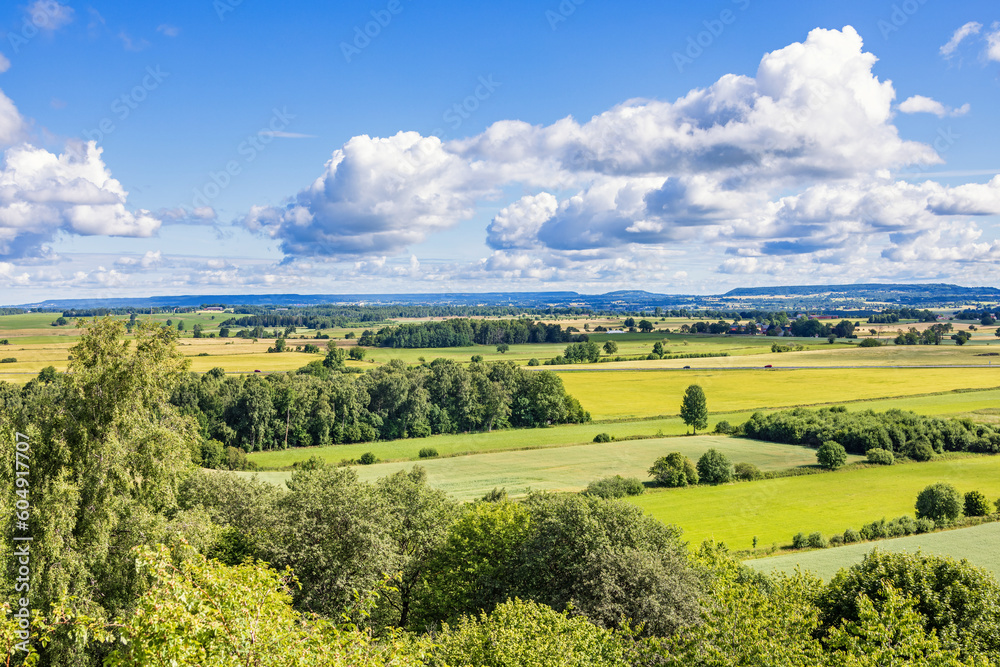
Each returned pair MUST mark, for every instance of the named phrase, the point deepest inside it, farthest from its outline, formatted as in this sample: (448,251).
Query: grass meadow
(572,468)
(977,544)
(774,510)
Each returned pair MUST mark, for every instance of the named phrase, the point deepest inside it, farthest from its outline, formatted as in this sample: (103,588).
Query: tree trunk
(288,411)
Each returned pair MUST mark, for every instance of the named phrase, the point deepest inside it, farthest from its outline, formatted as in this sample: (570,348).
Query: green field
(774,510)
(979,405)
(978,544)
(572,468)
(637,394)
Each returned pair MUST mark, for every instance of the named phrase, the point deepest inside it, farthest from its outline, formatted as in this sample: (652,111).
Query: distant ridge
(783,297)
(867,290)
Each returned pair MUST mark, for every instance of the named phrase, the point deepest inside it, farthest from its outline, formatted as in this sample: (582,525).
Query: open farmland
(636,394)
(572,468)
(979,405)
(977,544)
(774,510)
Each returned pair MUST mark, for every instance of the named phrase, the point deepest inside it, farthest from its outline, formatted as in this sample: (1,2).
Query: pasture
(572,468)
(977,544)
(775,509)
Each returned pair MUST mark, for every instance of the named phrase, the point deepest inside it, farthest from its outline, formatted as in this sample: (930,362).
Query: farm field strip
(978,544)
(774,510)
(572,468)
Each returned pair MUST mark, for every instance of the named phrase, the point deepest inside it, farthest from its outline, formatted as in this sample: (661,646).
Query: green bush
(747,472)
(724,427)
(851,536)
(922,450)
(925,526)
(831,455)
(939,502)
(870,342)
(533,362)
(477,358)
(800,541)
(8,360)
(976,504)
(367,459)
(615,487)
(952,598)
(817,541)
(428,452)
(603,437)
(714,467)
(881,456)
(836,540)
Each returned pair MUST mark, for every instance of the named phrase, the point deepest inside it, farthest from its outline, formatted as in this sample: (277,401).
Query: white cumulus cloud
(922,104)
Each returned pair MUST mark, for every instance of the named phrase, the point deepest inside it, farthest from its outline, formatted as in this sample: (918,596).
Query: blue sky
(399,146)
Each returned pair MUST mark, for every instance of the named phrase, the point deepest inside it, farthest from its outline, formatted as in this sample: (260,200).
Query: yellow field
(635,394)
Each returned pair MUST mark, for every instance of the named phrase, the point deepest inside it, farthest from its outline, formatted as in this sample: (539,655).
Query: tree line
(891,316)
(462,332)
(333,316)
(900,432)
(321,406)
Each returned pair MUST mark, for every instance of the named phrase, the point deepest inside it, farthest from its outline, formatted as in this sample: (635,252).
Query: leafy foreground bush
(952,598)
(615,487)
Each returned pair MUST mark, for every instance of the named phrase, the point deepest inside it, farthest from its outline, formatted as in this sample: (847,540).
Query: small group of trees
(943,503)
(932,335)
(677,470)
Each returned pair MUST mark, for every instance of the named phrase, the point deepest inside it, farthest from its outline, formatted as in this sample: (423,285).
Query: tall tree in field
(694,408)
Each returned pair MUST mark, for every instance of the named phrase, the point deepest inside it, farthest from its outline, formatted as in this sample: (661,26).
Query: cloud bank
(792,165)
